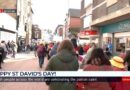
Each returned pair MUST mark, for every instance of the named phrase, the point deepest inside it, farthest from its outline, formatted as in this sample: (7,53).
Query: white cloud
(49,13)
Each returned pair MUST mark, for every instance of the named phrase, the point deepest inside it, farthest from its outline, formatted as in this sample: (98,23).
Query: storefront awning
(88,33)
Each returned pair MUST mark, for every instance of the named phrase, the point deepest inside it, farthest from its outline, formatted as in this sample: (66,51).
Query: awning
(88,33)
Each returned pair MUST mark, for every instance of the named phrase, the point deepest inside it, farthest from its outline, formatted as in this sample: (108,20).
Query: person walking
(41,53)
(14,48)
(49,48)
(53,51)
(80,51)
(88,55)
(1,55)
(3,44)
(108,53)
(64,60)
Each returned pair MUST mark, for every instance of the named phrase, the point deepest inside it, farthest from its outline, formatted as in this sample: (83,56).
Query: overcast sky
(49,13)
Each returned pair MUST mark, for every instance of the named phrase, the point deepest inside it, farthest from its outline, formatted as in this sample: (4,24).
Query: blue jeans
(41,61)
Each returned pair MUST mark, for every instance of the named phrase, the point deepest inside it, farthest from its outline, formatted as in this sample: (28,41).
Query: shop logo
(124,26)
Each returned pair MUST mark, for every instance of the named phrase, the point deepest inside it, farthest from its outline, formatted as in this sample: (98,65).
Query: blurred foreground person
(86,47)
(108,53)
(127,60)
(3,44)
(97,62)
(1,55)
(41,53)
(53,51)
(80,51)
(88,55)
(49,48)
(64,60)
(118,65)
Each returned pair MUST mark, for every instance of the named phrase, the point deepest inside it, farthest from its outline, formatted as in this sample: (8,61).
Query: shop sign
(117,27)
(88,32)
(124,26)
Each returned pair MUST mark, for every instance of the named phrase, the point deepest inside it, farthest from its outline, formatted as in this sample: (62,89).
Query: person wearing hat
(117,63)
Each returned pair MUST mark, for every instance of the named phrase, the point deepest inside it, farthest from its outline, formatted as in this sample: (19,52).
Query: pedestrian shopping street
(40,38)
(23,62)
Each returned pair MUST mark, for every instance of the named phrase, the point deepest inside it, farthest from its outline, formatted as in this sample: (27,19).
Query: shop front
(88,36)
(118,34)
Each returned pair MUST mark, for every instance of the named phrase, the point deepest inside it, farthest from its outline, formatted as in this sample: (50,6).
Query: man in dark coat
(1,55)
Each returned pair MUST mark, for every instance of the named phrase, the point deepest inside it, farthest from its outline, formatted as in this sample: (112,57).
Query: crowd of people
(7,48)
(64,56)
(11,48)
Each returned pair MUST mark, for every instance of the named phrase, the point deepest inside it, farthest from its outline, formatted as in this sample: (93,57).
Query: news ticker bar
(8,10)
(64,79)
(64,74)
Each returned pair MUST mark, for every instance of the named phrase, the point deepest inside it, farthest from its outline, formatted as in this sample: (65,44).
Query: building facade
(87,33)
(47,35)
(112,18)
(36,32)
(86,14)
(10,4)
(8,20)
(58,34)
(24,20)
(72,22)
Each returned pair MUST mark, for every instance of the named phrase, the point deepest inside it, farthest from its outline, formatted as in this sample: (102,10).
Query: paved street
(23,62)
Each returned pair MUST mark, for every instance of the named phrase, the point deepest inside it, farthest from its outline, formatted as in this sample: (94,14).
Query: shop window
(120,45)
(128,42)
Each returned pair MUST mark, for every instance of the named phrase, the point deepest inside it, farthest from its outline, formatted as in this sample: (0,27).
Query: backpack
(40,50)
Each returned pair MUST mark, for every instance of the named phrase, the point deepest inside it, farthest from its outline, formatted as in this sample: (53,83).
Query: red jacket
(95,85)
(120,85)
(86,47)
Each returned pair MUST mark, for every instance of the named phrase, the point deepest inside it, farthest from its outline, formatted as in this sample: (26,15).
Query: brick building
(72,22)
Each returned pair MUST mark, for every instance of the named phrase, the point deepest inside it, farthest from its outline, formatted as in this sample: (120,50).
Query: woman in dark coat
(64,60)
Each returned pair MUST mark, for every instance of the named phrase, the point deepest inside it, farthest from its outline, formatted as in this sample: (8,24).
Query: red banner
(88,32)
